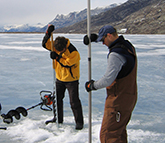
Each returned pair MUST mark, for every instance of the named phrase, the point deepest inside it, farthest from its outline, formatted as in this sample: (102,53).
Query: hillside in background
(59,21)
(75,17)
(132,17)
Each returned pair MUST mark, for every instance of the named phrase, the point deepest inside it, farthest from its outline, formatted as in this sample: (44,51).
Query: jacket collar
(118,40)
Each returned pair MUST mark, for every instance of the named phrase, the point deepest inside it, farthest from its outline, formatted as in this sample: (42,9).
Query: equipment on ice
(46,100)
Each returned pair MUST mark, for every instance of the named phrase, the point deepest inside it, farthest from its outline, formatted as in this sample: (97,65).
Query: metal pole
(89,69)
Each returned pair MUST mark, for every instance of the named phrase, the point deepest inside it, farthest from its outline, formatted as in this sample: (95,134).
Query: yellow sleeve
(71,59)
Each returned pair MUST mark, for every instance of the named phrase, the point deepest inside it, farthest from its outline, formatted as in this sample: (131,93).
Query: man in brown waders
(120,82)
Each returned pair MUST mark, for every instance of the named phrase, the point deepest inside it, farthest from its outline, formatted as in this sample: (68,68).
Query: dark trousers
(75,103)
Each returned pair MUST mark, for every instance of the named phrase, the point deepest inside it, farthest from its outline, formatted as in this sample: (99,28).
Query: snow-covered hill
(74,17)
(22,28)
(59,21)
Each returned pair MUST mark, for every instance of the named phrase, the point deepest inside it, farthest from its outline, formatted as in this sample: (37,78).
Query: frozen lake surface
(26,69)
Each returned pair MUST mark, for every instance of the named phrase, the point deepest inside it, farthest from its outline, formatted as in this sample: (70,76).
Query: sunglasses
(103,38)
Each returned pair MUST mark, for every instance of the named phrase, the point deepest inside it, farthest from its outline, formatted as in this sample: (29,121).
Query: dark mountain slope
(136,16)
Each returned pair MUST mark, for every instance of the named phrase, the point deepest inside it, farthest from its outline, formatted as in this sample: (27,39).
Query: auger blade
(51,121)
(22,110)
(14,113)
(7,118)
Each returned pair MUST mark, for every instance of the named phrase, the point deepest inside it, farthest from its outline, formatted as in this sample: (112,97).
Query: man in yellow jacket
(67,67)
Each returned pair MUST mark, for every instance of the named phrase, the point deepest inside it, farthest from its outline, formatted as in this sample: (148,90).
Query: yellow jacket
(68,67)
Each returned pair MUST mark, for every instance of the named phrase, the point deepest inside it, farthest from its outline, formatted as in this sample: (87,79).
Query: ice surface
(26,69)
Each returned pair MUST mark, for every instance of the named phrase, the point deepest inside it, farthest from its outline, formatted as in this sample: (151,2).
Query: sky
(43,11)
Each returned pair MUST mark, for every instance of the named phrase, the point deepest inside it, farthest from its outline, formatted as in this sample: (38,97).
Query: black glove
(90,85)
(50,29)
(93,38)
(54,55)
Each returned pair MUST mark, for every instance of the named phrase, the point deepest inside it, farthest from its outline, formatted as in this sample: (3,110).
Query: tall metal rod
(89,70)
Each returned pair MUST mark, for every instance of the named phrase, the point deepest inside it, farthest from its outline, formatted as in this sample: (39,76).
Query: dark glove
(93,38)
(90,85)
(50,29)
(54,55)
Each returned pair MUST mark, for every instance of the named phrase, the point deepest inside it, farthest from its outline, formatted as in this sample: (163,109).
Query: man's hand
(50,29)
(93,38)
(54,55)
(90,85)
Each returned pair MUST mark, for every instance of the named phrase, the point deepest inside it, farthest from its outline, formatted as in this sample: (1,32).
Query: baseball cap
(104,30)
